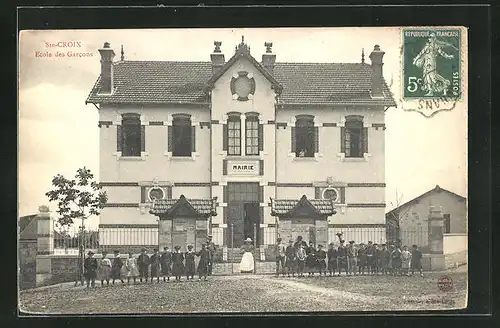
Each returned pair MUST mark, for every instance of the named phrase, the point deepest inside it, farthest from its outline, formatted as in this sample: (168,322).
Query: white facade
(207,172)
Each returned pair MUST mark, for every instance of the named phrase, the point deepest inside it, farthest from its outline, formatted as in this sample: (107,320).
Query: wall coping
(455,234)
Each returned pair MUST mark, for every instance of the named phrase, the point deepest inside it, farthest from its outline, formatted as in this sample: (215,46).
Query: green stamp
(431,63)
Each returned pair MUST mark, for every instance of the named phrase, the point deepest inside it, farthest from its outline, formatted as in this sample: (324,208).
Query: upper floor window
(233,135)
(252,135)
(131,135)
(304,136)
(354,137)
(182,135)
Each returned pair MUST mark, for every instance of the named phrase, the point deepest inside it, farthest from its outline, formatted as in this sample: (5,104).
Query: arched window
(181,135)
(354,137)
(131,135)
(305,136)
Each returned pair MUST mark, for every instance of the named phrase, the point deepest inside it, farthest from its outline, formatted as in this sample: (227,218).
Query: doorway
(251,221)
(243,212)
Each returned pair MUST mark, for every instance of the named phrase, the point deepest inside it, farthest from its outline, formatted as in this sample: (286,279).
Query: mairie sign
(243,167)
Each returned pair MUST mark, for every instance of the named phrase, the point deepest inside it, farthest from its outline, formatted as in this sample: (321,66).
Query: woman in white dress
(247,264)
(132,269)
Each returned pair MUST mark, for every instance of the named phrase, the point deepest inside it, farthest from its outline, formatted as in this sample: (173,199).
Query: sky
(58,133)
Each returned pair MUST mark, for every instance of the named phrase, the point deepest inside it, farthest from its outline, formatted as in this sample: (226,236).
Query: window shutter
(143,138)
(293,139)
(316,139)
(224,167)
(224,194)
(261,215)
(169,192)
(317,193)
(365,140)
(342,195)
(193,139)
(342,139)
(261,167)
(169,141)
(119,138)
(224,137)
(261,194)
(261,137)
(224,215)
(143,194)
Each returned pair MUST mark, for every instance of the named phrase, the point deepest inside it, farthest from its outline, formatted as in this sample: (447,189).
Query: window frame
(354,123)
(131,124)
(304,124)
(235,119)
(182,122)
(254,119)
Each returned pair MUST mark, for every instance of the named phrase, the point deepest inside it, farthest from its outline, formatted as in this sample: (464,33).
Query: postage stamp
(432,69)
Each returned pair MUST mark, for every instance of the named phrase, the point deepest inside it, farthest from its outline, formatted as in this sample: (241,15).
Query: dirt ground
(253,293)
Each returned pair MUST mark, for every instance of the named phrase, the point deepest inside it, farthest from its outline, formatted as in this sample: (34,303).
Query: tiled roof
(158,82)
(205,207)
(283,207)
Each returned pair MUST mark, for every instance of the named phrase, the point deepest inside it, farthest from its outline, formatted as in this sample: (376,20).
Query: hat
(177,247)
(320,246)
(370,242)
(342,241)
(351,242)
(279,239)
(209,236)
(155,250)
(248,239)
(90,253)
(375,244)
(190,246)
(384,244)
(331,243)
(143,249)
(116,252)
(414,246)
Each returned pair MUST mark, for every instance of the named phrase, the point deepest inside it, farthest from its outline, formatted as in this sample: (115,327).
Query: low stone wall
(456,259)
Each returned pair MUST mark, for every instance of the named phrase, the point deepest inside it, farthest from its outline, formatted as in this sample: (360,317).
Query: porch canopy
(184,208)
(306,218)
(302,208)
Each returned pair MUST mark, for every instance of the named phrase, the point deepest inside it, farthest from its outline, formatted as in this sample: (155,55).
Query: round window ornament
(330,193)
(242,86)
(156,193)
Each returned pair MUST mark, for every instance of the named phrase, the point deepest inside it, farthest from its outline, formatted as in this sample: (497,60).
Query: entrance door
(251,220)
(235,224)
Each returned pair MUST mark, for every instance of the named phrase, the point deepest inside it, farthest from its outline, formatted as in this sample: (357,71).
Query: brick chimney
(107,55)
(269,59)
(377,78)
(217,57)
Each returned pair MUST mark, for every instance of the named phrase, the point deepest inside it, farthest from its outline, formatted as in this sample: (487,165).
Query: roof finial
(242,39)
(123,54)
(363,55)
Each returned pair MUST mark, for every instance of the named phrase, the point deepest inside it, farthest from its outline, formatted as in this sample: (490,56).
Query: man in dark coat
(370,257)
(342,257)
(143,264)
(291,257)
(416,260)
(116,268)
(383,259)
(211,251)
(166,262)
(90,269)
(332,258)
(300,241)
(361,259)
(177,263)
(311,263)
(155,265)
(203,263)
(320,258)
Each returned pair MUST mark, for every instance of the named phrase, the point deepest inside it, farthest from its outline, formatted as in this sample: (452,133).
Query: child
(90,269)
(311,259)
(177,263)
(105,271)
(143,263)
(320,257)
(131,265)
(166,262)
(190,265)
(155,265)
(291,256)
(405,260)
(116,268)
(342,257)
(204,255)
(416,260)
(301,260)
(361,259)
(332,259)
(280,257)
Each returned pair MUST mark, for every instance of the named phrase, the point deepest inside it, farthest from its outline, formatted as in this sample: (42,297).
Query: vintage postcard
(167,171)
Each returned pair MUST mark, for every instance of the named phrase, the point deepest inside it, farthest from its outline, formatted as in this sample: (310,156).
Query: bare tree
(396,216)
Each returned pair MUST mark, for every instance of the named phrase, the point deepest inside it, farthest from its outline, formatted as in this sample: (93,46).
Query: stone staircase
(234,255)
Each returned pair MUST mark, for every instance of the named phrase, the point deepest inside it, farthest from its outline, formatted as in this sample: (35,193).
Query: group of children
(372,259)
(165,264)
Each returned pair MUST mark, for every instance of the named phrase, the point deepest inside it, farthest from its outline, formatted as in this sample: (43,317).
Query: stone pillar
(321,232)
(201,233)
(285,229)
(45,245)
(435,235)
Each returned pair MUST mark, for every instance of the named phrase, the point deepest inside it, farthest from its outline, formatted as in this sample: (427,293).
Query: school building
(240,148)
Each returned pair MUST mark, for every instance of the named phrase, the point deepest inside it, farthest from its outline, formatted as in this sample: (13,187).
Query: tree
(79,198)
(396,216)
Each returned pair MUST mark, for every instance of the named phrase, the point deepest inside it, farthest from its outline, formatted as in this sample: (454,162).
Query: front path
(251,293)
